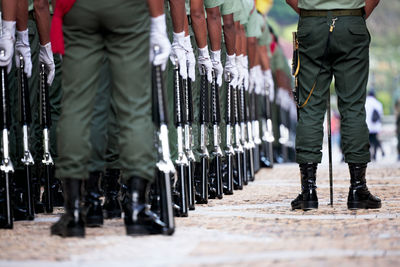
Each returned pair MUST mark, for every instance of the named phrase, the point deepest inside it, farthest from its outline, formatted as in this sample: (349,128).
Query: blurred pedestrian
(374,112)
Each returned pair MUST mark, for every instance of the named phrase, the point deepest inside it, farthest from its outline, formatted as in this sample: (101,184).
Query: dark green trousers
(120,30)
(348,61)
(104,128)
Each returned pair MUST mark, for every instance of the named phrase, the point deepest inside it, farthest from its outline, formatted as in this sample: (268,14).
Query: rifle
(238,148)
(267,158)
(165,167)
(6,164)
(250,146)
(182,161)
(229,151)
(215,177)
(202,167)
(188,104)
(256,129)
(25,120)
(45,120)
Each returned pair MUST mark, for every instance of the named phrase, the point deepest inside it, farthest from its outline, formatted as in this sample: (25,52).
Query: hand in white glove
(7,44)
(245,71)
(159,37)
(204,60)
(253,77)
(46,57)
(217,66)
(232,69)
(178,53)
(23,49)
(269,81)
(260,86)
(191,60)
(239,68)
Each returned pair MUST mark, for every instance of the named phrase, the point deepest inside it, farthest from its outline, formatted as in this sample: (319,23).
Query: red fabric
(272,47)
(56,32)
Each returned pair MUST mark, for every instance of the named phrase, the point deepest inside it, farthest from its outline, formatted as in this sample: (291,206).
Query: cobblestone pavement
(254,227)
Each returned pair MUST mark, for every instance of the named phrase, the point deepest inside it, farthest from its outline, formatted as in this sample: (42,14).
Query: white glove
(260,86)
(7,44)
(232,69)
(159,37)
(178,52)
(191,60)
(46,57)
(239,69)
(22,48)
(217,66)
(254,72)
(269,81)
(245,71)
(204,60)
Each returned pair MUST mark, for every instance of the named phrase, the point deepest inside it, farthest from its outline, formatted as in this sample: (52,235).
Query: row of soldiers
(229,103)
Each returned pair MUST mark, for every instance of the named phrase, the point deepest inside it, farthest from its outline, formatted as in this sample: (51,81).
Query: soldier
(122,29)
(333,41)
(33,44)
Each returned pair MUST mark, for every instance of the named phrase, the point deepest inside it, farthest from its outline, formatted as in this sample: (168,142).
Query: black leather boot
(20,197)
(112,205)
(93,210)
(307,199)
(139,220)
(359,195)
(71,223)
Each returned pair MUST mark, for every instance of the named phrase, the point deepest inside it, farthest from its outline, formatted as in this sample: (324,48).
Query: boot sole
(306,205)
(94,221)
(356,205)
(72,232)
(139,230)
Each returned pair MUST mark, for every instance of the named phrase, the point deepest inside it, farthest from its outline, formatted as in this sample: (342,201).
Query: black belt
(334,12)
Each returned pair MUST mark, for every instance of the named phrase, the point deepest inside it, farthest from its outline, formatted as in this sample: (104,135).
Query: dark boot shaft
(308,198)
(359,195)
(308,176)
(111,186)
(71,224)
(94,212)
(357,174)
(138,218)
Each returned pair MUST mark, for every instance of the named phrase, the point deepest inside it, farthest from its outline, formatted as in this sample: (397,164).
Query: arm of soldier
(229,34)
(231,37)
(7,38)
(9,10)
(42,13)
(158,34)
(252,50)
(178,51)
(200,31)
(191,60)
(178,14)
(370,6)
(22,47)
(22,15)
(198,22)
(266,69)
(214,27)
(293,4)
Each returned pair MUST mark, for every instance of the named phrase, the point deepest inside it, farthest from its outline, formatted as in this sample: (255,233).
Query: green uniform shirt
(241,15)
(253,27)
(230,7)
(330,4)
(213,3)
